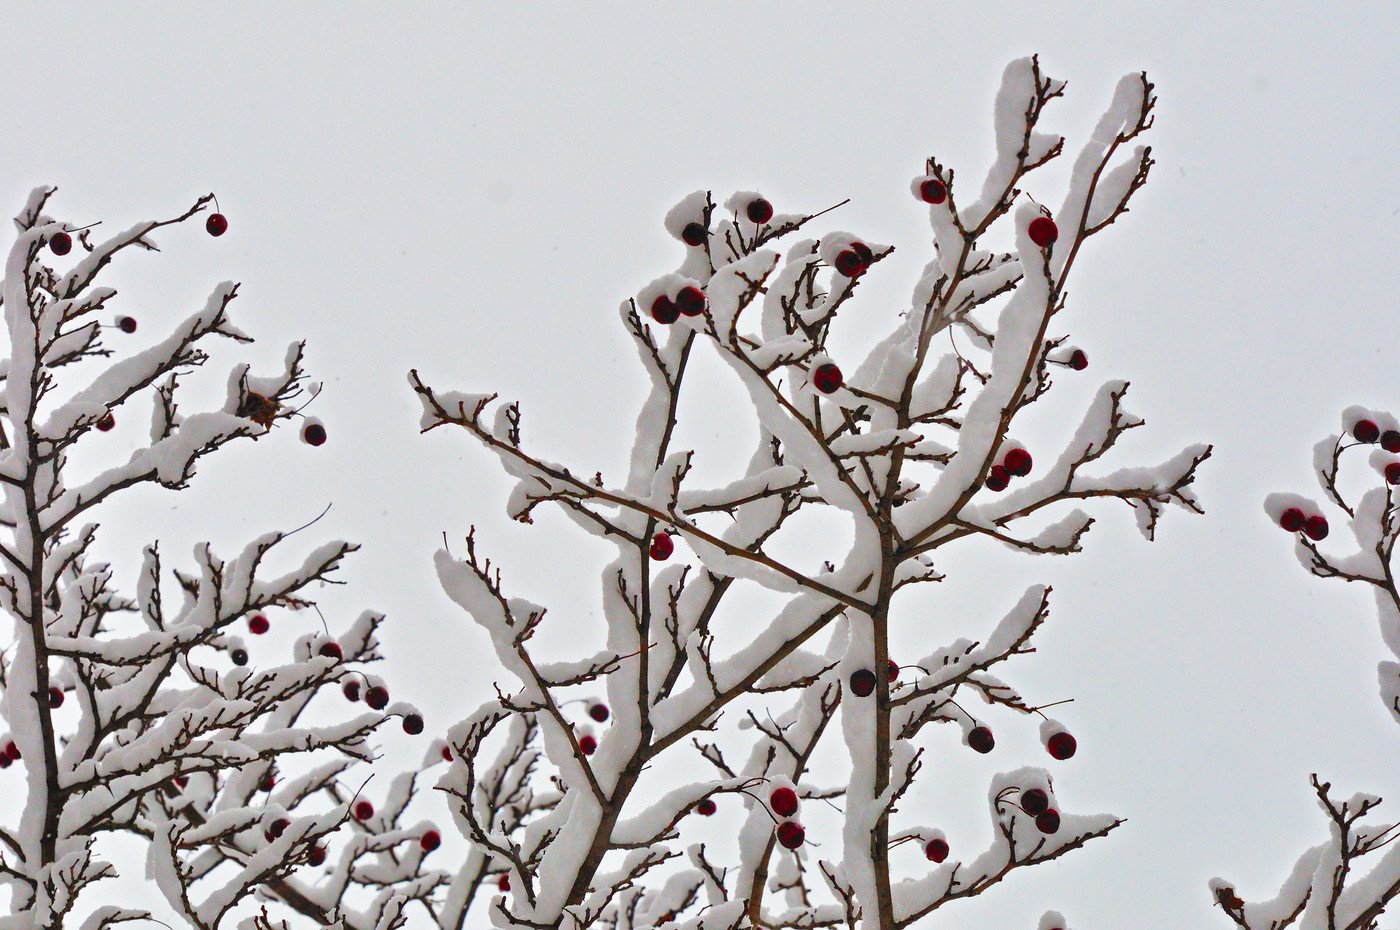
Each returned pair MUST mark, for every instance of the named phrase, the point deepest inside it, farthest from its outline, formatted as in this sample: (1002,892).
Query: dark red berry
(1018,462)
(258,624)
(1048,822)
(694,234)
(662,546)
(1366,431)
(1392,473)
(981,739)
(181,781)
(313,434)
(277,828)
(1390,440)
(587,745)
(891,670)
(61,243)
(1078,360)
(936,850)
(126,324)
(239,656)
(1292,519)
(849,264)
(1034,801)
(862,682)
(217,224)
(863,250)
(331,651)
(783,802)
(351,690)
(1061,746)
(933,191)
(377,697)
(690,300)
(1043,231)
(997,478)
(759,210)
(430,841)
(363,811)
(447,753)
(107,421)
(55,697)
(5,762)
(827,378)
(316,855)
(664,310)
(12,751)
(503,883)
(705,807)
(1316,528)
(599,712)
(413,724)
(269,781)
(791,834)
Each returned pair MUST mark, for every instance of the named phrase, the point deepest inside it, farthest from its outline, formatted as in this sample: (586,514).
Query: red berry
(430,841)
(12,751)
(981,739)
(1292,520)
(891,670)
(1392,473)
(783,802)
(377,697)
(662,546)
(363,810)
(447,753)
(1043,231)
(277,828)
(862,682)
(107,421)
(705,807)
(791,834)
(503,883)
(61,243)
(997,478)
(1061,746)
(759,210)
(217,224)
(1078,360)
(599,712)
(849,263)
(351,690)
(331,651)
(1390,440)
(1034,801)
(316,855)
(313,434)
(827,378)
(239,656)
(413,724)
(664,310)
(690,300)
(1316,528)
(863,250)
(1048,822)
(258,624)
(269,781)
(1366,431)
(694,234)
(587,745)
(126,324)
(181,781)
(936,850)
(55,697)
(1018,462)
(933,191)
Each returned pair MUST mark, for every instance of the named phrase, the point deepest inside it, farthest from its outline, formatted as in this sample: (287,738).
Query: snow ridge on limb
(910,450)
(1347,881)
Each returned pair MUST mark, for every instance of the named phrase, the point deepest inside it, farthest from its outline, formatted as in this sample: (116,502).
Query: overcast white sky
(472,189)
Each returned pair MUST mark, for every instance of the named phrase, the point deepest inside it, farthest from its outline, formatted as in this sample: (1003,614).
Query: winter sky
(473,188)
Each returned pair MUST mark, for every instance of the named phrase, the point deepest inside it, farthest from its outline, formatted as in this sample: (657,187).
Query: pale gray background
(473,188)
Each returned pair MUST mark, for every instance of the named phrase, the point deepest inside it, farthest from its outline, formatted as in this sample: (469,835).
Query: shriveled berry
(1078,360)
(12,751)
(313,434)
(316,855)
(277,828)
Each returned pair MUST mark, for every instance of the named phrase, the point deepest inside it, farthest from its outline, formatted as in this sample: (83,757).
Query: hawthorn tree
(1341,884)
(916,450)
(147,713)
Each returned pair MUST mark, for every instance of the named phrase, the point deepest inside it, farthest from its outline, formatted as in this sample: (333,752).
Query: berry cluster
(1015,464)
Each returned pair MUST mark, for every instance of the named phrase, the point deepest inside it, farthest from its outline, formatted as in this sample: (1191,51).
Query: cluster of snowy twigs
(916,449)
(1345,882)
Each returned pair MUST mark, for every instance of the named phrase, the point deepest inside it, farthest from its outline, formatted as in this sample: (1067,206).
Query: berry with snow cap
(413,724)
(1392,473)
(664,310)
(1078,360)
(1366,431)
(1061,746)
(1390,440)
(377,697)
(997,478)
(1043,231)
(694,234)
(827,378)
(1018,462)
(759,211)
(1292,520)
(313,433)
(932,191)
(1035,801)
(690,300)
